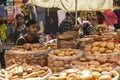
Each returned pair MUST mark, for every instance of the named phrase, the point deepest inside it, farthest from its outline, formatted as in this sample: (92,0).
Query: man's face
(32,29)
(20,20)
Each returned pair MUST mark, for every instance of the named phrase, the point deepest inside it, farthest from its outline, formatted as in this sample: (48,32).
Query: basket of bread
(103,52)
(84,41)
(52,44)
(108,36)
(28,53)
(25,72)
(60,59)
(78,74)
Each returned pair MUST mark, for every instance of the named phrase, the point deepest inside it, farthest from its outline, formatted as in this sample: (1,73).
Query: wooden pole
(48,12)
(75,12)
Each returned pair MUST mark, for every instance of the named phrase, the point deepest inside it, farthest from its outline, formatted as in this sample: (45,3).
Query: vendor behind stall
(67,24)
(31,36)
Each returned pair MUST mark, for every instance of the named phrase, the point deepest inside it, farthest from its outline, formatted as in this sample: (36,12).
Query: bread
(57,76)
(96,74)
(86,77)
(27,46)
(72,77)
(105,77)
(73,33)
(66,37)
(110,45)
(95,44)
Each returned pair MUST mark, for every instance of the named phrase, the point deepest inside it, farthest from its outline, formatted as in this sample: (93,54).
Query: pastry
(96,74)
(95,44)
(86,77)
(72,77)
(110,45)
(88,47)
(102,50)
(27,46)
(105,77)
(94,49)
(57,76)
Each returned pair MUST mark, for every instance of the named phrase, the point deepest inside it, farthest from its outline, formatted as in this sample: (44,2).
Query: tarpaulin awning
(69,5)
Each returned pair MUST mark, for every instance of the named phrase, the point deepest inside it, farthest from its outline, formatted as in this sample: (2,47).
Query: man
(30,37)
(19,28)
(67,24)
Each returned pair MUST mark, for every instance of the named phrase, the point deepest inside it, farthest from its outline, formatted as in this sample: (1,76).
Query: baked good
(110,45)
(94,49)
(102,50)
(86,77)
(105,77)
(96,74)
(58,76)
(72,76)
(88,48)
(73,33)
(27,46)
(95,44)
(66,37)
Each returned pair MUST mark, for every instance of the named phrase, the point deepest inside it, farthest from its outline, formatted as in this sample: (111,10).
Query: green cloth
(3,31)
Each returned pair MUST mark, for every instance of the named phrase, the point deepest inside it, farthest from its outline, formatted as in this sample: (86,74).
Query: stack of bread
(103,52)
(23,72)
(29,47)
(77,74)
(67,39)
(28,53)
(60,59)
(93,65)
(108,36)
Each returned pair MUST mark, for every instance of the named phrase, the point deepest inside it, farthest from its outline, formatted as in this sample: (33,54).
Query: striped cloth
(88,29)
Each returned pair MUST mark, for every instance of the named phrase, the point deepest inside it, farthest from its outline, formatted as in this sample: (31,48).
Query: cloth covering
(17,10)
(17,2)
(10,10)
(110,17)
(69,5)
(9,2)
(2,12)
(3,30)
(117,12)
(61,16)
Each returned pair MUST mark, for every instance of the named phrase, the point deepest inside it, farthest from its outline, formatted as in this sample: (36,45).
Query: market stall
(94,57)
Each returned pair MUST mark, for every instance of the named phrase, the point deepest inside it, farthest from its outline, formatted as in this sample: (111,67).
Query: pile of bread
(102,52)
(39,58)
(84,41)
(67,39)
(93,65)
(65,52)
(34,47)
(60,59)
(102,48)
(17,72)
(76,74)
(51,45)
(29,47)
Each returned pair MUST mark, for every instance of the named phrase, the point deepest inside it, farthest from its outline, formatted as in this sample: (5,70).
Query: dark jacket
(16,34)
(66,25)
(23,39)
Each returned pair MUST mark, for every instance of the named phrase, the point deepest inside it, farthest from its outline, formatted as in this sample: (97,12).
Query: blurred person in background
(51,27)
(19,27)
(67,24)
